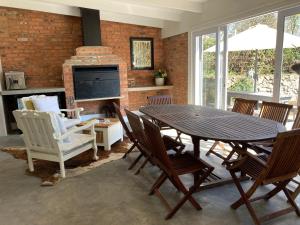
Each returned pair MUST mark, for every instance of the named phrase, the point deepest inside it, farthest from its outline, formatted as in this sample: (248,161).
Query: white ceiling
(143,12)
(174,16)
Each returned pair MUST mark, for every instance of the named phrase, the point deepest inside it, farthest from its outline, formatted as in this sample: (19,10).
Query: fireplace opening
(94,82)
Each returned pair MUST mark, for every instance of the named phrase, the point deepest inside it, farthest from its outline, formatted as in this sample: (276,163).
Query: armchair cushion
(78,140)
(46,104)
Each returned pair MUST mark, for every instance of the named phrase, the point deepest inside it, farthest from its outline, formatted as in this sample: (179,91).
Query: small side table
(108,133)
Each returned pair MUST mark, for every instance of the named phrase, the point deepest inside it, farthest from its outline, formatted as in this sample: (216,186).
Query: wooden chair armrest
(245,156)
(88,126)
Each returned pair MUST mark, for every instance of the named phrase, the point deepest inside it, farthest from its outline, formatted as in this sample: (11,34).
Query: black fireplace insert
(96,82)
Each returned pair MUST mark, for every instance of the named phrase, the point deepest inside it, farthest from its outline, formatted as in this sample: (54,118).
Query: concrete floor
(112,195)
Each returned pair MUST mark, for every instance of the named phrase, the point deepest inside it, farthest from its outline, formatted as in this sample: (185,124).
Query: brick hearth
(94,56)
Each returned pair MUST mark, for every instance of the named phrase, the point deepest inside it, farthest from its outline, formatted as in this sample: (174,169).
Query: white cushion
(76,140)
(59,125)
(46,104)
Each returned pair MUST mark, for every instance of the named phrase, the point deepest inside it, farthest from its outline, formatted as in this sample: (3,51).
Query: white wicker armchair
(43,139)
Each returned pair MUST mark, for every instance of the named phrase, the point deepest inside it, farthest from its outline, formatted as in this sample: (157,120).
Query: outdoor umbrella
(256,38)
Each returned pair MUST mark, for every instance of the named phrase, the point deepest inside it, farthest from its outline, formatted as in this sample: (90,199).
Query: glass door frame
(279,51)
(220,70)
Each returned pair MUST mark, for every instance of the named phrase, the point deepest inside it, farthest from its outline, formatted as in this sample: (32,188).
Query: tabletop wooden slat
(213,124)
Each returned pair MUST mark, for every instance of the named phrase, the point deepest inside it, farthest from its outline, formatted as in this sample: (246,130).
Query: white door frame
(196,80)
(279,51)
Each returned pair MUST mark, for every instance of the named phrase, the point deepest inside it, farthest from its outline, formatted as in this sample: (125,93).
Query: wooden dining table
(205,123)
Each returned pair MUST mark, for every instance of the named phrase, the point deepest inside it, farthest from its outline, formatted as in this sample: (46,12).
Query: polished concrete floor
(112,195)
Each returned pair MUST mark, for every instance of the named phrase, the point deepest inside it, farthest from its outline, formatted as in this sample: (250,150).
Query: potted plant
(160,76)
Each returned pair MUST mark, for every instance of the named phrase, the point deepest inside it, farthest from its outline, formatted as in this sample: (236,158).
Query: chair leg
(95,156)
(245,198)
(296,192)
(187,196)
(273,192)
(212,148)
(161,179)
(147,159)
(135,161)
(130,150)
(178,138)
(291,201)
(30,162)
(62,169)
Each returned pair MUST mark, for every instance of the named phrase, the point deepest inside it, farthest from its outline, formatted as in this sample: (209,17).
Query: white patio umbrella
(256,38)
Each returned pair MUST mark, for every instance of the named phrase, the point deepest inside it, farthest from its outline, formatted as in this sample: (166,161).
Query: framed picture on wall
(141,53)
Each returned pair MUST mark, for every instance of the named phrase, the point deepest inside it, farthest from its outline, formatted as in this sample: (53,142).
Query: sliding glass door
(288,53)
(208,68)
(256,53)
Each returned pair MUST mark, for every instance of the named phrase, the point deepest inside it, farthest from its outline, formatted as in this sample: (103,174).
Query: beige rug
(48,171)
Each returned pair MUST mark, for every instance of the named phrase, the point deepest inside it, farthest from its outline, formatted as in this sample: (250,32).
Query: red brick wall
(37,43)
(176,63)
(116,35)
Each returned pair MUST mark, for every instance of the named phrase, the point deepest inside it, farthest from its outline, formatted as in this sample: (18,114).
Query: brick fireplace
(94,56)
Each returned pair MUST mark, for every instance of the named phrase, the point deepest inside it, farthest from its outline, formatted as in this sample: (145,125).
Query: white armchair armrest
(76,111)
(88,126)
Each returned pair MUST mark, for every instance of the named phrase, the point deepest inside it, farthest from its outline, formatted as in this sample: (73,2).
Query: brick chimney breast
(93,56)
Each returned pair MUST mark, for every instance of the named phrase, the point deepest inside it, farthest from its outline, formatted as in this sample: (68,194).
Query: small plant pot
(159,81)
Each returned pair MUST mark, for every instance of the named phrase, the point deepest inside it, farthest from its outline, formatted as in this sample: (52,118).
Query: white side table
(108,133)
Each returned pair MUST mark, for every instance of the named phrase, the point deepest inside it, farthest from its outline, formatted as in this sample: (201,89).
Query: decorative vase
(159,81)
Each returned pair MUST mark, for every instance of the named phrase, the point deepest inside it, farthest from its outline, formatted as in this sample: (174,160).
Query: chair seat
(75,141)
(186,163)
(69,123)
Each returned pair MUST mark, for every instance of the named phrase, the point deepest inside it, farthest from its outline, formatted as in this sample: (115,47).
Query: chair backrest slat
(244,106)
(296,124)
(285,157)
(137,127)
(275,111)
(156,145)
(38,130)
(120,116)
(159,100)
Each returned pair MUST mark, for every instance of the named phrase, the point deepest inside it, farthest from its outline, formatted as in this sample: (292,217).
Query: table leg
(196,143)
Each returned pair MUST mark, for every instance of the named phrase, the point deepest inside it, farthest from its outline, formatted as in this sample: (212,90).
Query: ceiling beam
(74,11)
(183,5)
(124,8)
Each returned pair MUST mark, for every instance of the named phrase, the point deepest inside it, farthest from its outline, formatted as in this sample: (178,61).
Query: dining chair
(138,131)
(273,111)
(159,100)
(279,169)
(162,100)
(172,167)
(243,106)
(278,112)
(129,134)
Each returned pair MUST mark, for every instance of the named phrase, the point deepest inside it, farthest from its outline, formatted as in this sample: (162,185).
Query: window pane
(209,69)
(251,57)
(291,53)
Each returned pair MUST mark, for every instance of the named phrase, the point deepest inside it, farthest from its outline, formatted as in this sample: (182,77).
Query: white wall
(219,12)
